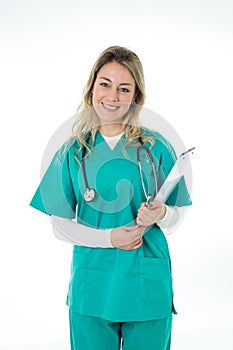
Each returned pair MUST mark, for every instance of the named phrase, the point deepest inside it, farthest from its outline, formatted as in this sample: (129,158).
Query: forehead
(116,72)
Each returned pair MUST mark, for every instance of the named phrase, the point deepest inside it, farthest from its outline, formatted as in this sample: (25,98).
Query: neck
(111,129)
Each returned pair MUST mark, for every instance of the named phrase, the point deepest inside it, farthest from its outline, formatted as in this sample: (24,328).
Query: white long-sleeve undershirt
(78,234)
(81,235)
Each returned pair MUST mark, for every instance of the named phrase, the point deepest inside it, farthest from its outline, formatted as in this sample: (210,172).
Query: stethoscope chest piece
(89,194)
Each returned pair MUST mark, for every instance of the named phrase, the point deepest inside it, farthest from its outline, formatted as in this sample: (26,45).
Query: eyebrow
(111,81)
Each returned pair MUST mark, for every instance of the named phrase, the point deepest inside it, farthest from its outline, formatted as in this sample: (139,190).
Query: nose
(113,95)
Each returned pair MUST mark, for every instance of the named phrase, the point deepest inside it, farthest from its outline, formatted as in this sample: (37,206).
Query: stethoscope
(90,193)
(149,196)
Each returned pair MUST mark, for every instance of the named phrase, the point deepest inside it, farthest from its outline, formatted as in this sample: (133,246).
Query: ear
(135,98)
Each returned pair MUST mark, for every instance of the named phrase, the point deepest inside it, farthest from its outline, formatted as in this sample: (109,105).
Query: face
(113,93)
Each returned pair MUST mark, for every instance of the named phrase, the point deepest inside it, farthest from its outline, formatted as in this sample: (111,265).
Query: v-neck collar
(112,141)
(100,138)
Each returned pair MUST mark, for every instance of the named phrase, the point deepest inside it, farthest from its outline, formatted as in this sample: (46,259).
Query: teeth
(110,107)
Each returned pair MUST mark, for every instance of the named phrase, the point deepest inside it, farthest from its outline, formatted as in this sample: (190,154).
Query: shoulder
(160,143)
(153,134)
(66,151)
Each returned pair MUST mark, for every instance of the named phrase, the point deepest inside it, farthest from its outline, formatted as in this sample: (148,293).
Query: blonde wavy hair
(87,122)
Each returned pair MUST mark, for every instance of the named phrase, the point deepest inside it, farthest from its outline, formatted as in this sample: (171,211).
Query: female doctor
(120,291)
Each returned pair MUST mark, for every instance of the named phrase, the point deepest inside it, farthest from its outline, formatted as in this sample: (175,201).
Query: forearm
(171,219)
(81,235)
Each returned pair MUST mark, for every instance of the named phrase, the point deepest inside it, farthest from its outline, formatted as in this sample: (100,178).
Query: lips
(110,107)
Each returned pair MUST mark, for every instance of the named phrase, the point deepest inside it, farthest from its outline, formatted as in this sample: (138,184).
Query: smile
(110,107)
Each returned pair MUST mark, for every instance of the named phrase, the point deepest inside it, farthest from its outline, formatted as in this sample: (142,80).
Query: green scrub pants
(92,333)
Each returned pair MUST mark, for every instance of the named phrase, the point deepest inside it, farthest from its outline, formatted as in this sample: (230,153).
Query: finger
(133,247)
(143,221)
(157,202)
(135,230)
(143,205)
(146,210)
(144,214)
(155,205)
(138,244)
(131,228)
(139,221)
(140,230)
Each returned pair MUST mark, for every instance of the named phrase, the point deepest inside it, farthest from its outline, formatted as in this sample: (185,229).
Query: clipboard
(181,168)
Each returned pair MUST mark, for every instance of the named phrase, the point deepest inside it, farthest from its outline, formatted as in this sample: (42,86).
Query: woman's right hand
(127,237)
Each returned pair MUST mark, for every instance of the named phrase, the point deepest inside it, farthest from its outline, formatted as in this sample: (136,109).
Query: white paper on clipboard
(181,168)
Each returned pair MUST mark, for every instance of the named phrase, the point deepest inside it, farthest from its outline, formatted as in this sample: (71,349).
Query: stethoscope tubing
(149,196)
(90,193)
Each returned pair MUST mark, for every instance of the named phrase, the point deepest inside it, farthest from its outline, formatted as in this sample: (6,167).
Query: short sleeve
(180,195)
(55,194)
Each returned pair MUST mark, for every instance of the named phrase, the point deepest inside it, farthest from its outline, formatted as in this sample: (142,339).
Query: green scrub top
(111,283)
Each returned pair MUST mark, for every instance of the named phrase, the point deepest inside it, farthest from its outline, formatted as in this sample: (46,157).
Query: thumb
(142,206)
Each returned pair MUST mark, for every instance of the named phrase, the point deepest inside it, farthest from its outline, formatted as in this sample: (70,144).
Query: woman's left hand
(149,215)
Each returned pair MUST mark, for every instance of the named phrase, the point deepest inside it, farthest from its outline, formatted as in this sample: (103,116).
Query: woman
(121,285)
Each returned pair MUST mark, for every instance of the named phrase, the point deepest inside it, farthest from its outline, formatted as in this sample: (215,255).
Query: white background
(47,50)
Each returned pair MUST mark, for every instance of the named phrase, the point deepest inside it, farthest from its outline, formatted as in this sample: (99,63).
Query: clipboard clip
(191,150)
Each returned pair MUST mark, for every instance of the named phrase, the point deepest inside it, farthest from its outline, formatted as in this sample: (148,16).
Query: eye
(124,89)
(104,84)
